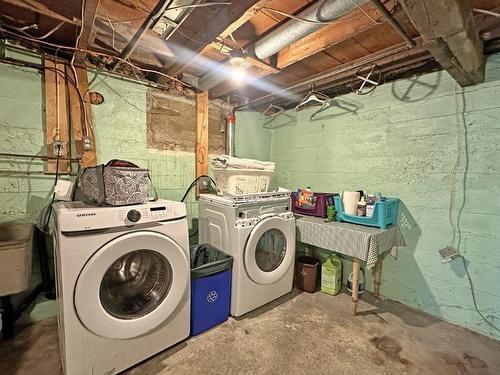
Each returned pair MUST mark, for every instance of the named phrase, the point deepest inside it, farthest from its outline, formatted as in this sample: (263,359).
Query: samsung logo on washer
(85,214)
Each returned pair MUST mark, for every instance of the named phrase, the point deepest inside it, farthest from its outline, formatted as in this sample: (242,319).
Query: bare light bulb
(238,74)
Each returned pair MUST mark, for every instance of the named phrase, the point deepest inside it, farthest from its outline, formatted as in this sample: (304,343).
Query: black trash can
(210,287)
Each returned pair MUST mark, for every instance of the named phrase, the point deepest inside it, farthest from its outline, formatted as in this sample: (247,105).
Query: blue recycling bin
(210,287)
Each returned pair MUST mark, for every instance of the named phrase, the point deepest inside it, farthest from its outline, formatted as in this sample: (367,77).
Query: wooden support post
(201,134)
(56,115)
(81,122)
(378,276)
(355,284)
(448,31)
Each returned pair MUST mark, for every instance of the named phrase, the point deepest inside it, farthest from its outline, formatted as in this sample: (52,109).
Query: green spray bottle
(331,275)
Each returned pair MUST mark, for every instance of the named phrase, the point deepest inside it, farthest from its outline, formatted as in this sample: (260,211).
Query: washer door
(269,250)
(131,285)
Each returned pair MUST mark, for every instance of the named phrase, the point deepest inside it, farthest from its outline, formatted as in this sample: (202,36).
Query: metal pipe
(329,74)
(152,17)
(394,23)
(230,124)
(289,32)
(41,157)
(294,30)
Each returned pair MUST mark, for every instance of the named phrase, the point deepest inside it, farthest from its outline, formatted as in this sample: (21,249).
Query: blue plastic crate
(210,299)
(385,213)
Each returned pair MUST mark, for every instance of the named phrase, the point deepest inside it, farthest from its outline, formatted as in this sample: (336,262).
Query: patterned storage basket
(118,183)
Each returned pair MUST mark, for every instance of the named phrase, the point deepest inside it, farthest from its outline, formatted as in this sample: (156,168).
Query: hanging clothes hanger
(312,99)
(272,110)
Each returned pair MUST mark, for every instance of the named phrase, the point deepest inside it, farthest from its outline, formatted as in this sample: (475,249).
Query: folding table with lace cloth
(357,241)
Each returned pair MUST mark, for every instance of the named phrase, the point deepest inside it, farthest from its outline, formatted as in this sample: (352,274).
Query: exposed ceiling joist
(448,31)
(251,59)
(227,20)
(42,9)
(345,28)
(399,55)
(88,33)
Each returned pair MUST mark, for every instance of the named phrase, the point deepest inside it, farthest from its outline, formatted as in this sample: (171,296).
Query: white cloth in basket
(224,161)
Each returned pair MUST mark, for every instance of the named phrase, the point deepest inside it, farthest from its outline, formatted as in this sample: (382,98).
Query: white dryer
(122,283)
(259,232)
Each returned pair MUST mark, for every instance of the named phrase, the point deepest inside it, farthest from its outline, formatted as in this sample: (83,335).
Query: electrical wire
(315,22)
(194,183)
(69,48)
(456,226)
(488,12)
(155,99)
(44,36)
(47,222)
(195,6)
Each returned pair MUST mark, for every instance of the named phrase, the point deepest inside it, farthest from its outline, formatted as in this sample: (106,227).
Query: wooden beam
(43,9)
(250,59)
(201,134)
(342,74)
(56,115)
(80,120)
(88,33)
(448,31)
(345,28)
(227,20)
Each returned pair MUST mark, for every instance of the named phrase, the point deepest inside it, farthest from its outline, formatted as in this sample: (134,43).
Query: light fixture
(238,73)
(237,57)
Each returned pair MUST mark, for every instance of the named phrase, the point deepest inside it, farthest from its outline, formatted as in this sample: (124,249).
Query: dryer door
(269,250)
(131,285)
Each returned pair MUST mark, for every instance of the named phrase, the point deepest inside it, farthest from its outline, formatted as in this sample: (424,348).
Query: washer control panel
(77,216)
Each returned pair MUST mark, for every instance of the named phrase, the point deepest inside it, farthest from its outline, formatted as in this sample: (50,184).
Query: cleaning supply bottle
(361,288)
(370,205)
(331,275)
(361,209)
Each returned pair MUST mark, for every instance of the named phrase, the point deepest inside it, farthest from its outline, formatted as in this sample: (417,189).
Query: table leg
(378,276)
(355,284)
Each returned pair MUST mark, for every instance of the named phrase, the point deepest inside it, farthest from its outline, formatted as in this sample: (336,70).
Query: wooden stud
(378,276)
(56,115)
(88,33)
(227,20)
(201,134)
(355,284)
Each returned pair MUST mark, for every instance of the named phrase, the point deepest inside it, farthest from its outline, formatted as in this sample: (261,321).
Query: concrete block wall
(404,140)
(24,189)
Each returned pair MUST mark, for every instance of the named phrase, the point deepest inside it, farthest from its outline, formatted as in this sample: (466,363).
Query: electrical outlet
(204,185)
(87,144)
(58,148)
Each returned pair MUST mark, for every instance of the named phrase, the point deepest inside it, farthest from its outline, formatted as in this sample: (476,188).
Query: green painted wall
(403,140)
(24,190)
(251,140)
(120,129)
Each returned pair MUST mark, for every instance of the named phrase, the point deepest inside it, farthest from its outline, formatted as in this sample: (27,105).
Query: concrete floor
(299,334)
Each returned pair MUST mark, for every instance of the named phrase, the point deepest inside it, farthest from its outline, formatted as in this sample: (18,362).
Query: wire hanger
(313,99)
(272,110)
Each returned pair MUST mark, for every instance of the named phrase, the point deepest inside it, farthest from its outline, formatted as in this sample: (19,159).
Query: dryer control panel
(251,222)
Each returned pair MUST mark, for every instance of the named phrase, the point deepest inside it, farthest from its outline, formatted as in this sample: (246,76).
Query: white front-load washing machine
(122,283)
(259,232)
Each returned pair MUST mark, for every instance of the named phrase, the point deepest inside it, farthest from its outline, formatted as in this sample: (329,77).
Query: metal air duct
(286,34)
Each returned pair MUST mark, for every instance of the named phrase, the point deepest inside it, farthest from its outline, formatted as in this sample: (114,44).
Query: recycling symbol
(211,296)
